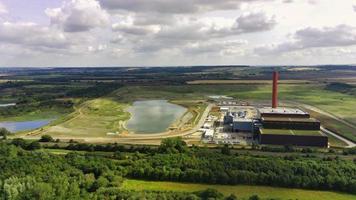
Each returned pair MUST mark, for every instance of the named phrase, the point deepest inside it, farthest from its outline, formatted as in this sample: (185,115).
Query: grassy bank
(35,115)
(241,191)
(95,118)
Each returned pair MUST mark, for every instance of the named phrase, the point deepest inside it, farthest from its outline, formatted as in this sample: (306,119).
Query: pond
(153,116)
(25,125)
(7,104)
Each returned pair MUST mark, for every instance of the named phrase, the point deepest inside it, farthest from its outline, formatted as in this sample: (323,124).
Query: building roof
(281,110)
(239,119)
(209,133)
(291,132)
(288,119)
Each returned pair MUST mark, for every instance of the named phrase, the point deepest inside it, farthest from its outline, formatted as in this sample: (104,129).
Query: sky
(88,33)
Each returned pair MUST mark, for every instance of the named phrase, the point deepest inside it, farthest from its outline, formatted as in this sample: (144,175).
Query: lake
(7,104)
(26,125)
(153,116)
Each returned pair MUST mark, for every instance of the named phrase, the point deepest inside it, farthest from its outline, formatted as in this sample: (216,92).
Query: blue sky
(176,32)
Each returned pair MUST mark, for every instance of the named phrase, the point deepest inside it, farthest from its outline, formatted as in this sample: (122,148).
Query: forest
(28,174)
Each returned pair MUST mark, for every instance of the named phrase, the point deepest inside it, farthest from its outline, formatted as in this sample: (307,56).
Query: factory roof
(239,119)
(291,132)
(281,110)
(249,111)
(209,133)
(288,119)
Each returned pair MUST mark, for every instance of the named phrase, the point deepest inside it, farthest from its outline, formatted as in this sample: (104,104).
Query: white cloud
(117,39)
(214,47)
(98,48)
(154,19)
(31,34)
(341,35)
(3,9)
(254,22)
(135,30)
(140,32)
(173,6)
(78,15)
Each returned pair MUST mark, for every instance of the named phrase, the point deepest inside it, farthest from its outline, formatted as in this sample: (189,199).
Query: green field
(241,191)
(95,118)
(36,115)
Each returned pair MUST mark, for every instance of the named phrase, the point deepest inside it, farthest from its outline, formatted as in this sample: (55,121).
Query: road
(349,143)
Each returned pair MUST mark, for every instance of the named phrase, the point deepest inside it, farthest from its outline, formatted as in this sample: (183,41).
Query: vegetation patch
(240,191)
(95,118)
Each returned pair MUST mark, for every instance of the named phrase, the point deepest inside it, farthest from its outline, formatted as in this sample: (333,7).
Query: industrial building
(283,112)
(293,137)
(239,123)
(239,119)
(287,118)
(288,126)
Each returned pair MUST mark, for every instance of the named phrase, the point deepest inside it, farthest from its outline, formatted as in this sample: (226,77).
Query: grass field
(36,115)
(241,191)
(95,118)
(214,82)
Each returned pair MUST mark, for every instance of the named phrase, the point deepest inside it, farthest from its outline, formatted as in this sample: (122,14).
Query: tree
(231,197)
(46,138)
(173,145)
(19,142)
(254,197)
(4,133)
(226,149)
(210,194)
(34,145)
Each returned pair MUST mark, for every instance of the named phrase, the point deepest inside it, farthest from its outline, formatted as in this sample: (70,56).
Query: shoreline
(167,130)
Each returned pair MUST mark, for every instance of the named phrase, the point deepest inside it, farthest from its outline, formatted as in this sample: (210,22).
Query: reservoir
(153,116)
(7,104)
(26,125)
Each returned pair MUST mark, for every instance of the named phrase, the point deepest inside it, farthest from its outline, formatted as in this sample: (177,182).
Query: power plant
(266,125)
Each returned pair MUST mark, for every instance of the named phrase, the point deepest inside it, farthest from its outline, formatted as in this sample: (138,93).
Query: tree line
(89,175)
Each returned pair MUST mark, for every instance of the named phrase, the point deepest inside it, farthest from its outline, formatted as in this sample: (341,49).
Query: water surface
(7,104)
(25,125)
(153,116)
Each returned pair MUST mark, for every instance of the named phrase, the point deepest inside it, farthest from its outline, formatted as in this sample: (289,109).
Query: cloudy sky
(176,32)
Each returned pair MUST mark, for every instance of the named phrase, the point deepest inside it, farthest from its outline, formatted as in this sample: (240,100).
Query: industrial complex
(240,123)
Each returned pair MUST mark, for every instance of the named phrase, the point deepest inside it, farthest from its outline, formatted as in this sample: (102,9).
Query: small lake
(26,125)
(153,116)
(7,104)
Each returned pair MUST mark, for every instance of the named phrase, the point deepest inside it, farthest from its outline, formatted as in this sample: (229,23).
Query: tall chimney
(275,90)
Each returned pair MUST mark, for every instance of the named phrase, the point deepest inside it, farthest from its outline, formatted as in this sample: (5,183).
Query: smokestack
(275,90)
